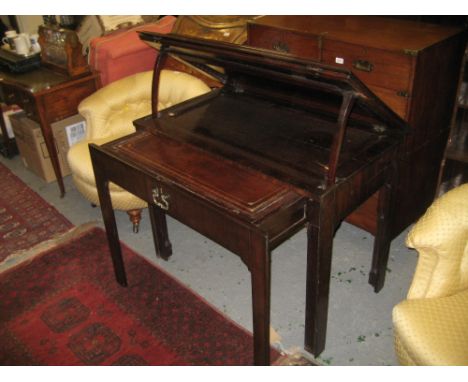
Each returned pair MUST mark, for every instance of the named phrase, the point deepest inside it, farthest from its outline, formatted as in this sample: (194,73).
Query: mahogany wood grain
(47,97)
(250,164)
(412,66)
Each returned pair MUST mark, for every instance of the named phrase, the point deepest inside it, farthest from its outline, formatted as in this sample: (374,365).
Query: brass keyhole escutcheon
(160,198)
(281,46)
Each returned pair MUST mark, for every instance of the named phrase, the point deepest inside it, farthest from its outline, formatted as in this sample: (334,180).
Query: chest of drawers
(412,67)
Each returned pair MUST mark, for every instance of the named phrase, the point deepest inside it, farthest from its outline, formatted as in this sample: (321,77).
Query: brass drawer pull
(403,93)
(160,198)
(280,46)
(365,66)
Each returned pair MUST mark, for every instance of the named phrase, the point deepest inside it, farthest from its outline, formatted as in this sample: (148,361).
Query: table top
(37,80)
(229,184)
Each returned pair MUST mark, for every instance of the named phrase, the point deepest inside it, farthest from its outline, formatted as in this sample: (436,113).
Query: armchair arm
(441,238)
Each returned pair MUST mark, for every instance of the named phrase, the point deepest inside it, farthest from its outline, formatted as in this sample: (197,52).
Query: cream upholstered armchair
(431,325)
(109,115)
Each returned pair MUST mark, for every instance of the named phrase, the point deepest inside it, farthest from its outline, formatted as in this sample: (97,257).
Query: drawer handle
(365,66)
(280,46)
(160,198)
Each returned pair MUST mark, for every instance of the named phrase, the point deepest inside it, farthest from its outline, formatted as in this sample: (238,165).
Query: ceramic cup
(10,39)
(35,46)
(21,45)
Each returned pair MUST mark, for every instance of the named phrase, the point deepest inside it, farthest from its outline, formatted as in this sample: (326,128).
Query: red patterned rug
(64,307)
(25,218)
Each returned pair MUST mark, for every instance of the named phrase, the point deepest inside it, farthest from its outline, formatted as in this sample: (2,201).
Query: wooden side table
(46,96)
(286,143)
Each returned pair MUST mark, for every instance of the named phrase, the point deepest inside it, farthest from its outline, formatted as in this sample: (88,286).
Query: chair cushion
(80,161)
(432,331)
(83,178)
(121,199)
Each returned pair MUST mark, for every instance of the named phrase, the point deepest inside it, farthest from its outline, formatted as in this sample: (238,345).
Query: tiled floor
(359,326)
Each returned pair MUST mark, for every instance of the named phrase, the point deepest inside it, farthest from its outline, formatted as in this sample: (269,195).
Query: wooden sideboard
(413,67)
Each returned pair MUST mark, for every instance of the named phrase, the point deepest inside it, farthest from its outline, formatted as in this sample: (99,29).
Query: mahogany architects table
(285,144)
(46,96)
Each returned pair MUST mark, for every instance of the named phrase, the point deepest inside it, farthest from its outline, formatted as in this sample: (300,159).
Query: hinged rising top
(300,121)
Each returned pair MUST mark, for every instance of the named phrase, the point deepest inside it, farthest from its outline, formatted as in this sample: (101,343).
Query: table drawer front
(372,66)
(199,215)
(14,96)
(306,46)
(64,102)
(10,95)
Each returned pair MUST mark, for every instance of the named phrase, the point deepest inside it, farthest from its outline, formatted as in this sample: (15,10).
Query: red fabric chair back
(122,53)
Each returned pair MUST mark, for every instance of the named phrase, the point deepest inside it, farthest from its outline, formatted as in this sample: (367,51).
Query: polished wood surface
(184,164)
(387,34)
(412,67)
(46,96)
(251,164)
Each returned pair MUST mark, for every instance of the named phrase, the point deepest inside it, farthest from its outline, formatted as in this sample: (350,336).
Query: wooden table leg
(102,185)
(162,244)
(260,269)
(382,238)
(320,232)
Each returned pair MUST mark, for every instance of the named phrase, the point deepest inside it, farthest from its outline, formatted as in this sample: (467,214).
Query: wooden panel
(63,102)
(388,34)
(370,65)
(299,44)
(398,103)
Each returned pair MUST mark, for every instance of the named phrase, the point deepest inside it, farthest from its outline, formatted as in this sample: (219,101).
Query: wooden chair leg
(135,217)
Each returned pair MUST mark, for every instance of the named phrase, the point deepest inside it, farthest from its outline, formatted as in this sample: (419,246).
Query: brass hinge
(411,52)
(403,93)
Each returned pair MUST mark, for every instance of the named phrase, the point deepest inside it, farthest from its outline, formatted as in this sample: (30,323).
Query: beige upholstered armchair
(431,326)
(109,115)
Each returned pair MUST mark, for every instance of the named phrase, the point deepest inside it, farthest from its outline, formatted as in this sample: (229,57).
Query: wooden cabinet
(411,66)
